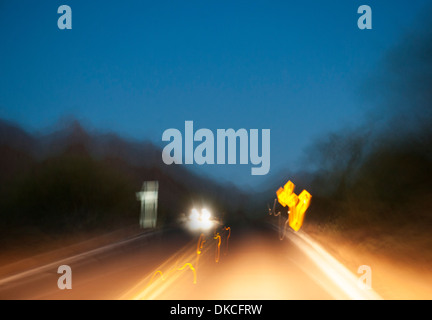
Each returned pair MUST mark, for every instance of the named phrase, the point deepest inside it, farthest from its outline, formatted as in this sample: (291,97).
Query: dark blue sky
(140,67)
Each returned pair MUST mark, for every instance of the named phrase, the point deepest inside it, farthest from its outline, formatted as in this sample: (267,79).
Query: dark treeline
(74,180)
(378,175)
(382,171)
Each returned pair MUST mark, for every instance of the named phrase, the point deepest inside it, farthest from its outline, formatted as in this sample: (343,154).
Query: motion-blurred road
(246,264)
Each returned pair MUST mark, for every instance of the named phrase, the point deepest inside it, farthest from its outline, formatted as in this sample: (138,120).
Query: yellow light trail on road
(151,289)
(192,269)
(219,240)
(164,276)
(227,241)
(200,246)
(154,275)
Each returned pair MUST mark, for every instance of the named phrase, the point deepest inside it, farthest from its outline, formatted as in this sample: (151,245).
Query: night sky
(138,68)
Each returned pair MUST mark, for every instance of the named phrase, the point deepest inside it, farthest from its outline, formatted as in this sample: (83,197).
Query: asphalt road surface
(239,264)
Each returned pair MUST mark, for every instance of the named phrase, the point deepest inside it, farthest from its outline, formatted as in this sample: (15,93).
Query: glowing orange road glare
(218,238)
(297,204)
(227,241)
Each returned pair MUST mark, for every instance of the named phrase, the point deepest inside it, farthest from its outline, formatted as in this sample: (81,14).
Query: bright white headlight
(200,220)
(194,216)
(205,215)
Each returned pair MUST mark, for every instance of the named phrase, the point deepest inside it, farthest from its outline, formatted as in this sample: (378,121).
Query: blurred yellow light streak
(150,287)
(200,246)
(217,237)
(144,290)
(190,266)
(227,240)
(154,275)
(164,276)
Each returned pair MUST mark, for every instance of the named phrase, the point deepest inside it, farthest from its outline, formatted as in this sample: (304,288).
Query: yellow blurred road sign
(297,204)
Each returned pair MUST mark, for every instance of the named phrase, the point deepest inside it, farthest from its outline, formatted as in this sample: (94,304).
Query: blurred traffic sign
(297,204)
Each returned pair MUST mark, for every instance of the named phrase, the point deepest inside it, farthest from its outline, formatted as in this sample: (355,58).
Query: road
(239,264)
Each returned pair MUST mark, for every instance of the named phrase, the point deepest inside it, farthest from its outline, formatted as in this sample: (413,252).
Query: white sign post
(149,200)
